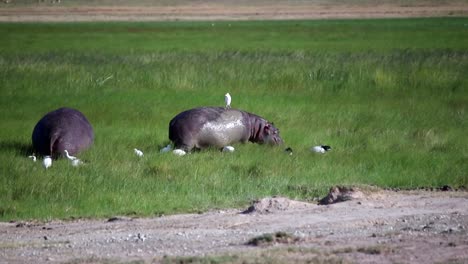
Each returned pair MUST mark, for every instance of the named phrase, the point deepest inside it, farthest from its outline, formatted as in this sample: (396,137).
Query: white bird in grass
(179,152)
(47,162)
(166,149)
(138,152)
(321,149)
(32,157)
(69,156)
(76,162)
(228,149)
(227,100)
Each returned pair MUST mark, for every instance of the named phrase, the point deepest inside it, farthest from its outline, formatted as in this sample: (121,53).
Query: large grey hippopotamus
(204,127)
(60,130)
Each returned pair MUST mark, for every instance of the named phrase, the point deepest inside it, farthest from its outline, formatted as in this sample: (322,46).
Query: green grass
(390,97)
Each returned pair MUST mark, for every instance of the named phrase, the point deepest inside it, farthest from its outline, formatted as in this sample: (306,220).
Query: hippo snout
(272,135)
(276,140)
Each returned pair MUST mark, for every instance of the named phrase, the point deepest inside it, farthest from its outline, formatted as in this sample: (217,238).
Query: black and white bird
(138,152)
(321,149)
(47,162)
(289,150)
(227,100)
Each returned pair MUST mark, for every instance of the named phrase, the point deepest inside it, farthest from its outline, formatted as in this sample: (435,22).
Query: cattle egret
(32,157)
(179,152)
(69,157)
(228,149)
(289,150)
(227,100)
(76,162)
(138,152)
(321,149)
(47,162)
(166,149)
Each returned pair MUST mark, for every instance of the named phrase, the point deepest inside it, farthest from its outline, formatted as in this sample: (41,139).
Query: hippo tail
(53,141)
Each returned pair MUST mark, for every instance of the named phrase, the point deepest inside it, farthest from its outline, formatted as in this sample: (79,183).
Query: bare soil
(371,227)
(205,10)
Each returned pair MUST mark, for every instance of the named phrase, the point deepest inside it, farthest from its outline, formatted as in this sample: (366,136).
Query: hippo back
(208,126)
(218,127)
(60,130)
(229,126)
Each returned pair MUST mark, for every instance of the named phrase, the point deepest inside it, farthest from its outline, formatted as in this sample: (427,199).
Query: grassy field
(390,97)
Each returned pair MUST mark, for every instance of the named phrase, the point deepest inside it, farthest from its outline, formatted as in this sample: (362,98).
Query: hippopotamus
(60,130)
(205,127)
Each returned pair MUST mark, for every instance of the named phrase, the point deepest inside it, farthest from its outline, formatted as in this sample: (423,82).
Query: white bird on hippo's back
(227,100)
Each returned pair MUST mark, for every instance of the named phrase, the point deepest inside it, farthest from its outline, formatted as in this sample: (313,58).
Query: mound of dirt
(275,204)
(278,204)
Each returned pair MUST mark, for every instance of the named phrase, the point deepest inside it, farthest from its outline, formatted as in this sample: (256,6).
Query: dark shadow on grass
(18,147)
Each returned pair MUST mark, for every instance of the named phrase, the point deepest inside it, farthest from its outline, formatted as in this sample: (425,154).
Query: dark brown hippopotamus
(204,127)
(60,130)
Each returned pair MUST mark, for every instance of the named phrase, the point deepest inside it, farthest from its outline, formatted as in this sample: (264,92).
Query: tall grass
(389,96)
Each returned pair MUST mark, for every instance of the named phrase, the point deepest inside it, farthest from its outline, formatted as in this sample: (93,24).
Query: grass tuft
(271,239)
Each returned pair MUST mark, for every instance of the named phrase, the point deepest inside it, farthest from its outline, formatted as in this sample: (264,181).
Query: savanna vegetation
(389,96)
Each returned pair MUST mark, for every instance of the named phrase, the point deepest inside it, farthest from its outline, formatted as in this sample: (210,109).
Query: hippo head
(271,135)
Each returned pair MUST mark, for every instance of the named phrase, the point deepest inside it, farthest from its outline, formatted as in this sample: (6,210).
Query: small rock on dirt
(275,204)
(340,194)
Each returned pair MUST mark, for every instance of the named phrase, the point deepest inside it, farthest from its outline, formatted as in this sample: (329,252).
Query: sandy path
(423,227)
(210,11)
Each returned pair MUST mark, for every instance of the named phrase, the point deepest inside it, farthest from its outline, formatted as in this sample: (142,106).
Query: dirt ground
(379,227)
(212,11)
